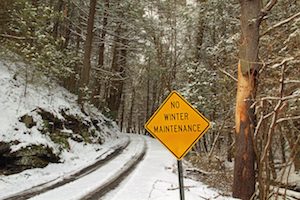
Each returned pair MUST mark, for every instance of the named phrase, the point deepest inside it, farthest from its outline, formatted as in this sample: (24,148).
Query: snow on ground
(50,97)
(154,179)
(80,188)
(44,94)
(78,158)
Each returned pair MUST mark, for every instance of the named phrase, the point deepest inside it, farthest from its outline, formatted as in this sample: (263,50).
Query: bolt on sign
(177,125)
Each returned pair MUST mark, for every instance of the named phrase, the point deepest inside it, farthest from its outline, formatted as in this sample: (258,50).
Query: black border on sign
(160,107)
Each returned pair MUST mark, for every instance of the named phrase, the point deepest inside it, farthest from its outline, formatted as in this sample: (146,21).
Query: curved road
(104,178)
(143,170)
(42,188)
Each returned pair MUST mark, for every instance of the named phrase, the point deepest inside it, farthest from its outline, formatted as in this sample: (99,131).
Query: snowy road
(123,177)
(154,179)
(144,170)
(109,153)
(100,179)
(80,160)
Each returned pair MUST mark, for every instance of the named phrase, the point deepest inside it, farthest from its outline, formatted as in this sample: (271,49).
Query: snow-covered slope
(14,103)
(46,96)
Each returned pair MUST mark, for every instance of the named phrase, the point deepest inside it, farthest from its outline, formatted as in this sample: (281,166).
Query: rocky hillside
(41,123)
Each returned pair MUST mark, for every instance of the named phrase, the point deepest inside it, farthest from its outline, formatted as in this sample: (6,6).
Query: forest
(236,61)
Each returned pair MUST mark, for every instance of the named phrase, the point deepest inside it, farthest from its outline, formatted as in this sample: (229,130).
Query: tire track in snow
(42,188)
(119,177)
(104,178)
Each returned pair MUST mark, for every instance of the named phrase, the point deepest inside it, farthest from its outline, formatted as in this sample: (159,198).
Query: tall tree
(118,66)
(85,73)
(103,34)
(58,7)
(244,172)
(97,87)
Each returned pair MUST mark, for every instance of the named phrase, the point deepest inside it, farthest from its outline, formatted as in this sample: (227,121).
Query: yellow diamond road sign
(177,125)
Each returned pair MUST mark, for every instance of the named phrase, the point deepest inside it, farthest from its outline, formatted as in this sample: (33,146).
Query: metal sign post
(178,126)
(180,179)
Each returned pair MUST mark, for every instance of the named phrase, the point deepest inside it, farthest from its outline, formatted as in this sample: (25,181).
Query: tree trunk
(244,173)
(118,67)
(130,119)
(68,14)
(97,87)
(205,148)
(103,34)
(73,82)
(229,147)
(154,96)
(85,73)
(148,92)
(282,147)
(297,157)
(58,8)
(121,120)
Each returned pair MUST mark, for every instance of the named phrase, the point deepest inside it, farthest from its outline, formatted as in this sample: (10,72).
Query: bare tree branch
(291,81)
(226,73)
(281,23)
(268,7)
(287,119)
(276,98)
(13,37)
(113,76)
(274,116)
(282,62)
(281,98)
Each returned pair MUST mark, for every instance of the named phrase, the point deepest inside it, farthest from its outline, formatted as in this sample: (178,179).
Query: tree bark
(121,120)
(229,147)
(103,34)
(58,8)
(148,91)
(68,14)
(282,147)
(119,63)
(244,173)
(85,73)
(130,119)
(97,87)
